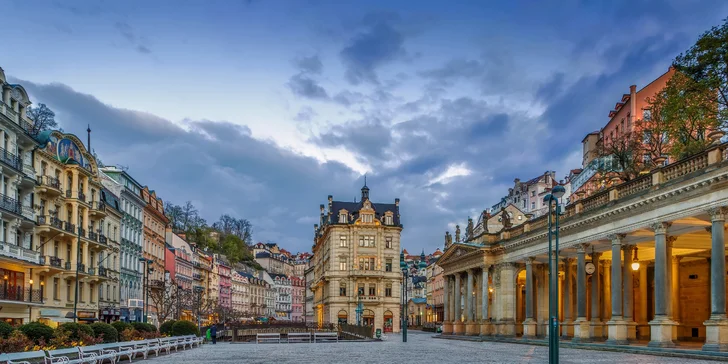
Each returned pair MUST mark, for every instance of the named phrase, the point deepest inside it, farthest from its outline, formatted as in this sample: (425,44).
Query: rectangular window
(342,263)
(56,288)
(533,205)
(343,242)
(388,220)
(388,265)
(372,289)
(342,219)
(647,115)
(388,242)
(342,289)
(360,289)
(388,290)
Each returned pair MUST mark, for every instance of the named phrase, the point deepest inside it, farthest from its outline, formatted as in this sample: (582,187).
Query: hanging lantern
(635,261)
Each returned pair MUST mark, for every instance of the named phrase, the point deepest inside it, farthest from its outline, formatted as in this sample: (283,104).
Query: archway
(388,321)
(342,316)
(368,318)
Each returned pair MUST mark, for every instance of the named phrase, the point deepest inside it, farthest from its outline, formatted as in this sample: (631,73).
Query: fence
(358,331)
(247,332)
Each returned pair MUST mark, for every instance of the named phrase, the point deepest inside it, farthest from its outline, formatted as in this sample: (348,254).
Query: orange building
(155,223)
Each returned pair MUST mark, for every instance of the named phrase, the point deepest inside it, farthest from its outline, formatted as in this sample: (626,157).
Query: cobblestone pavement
(421,347)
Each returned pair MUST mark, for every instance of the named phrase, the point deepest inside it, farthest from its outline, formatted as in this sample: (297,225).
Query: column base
(529,329)
(596,329)
(582,331)
(472,328)
(631,330)
(716,334)
(567,329)
(617,332)
(543,328)
(447,328)
(458,328)
(506,328)
(486,328)
(661,333)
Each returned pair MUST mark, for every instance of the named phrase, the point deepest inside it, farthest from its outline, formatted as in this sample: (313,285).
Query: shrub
(143,327)
(36,331)
(105,331)
(120,326)
(5,329)
(184,328)
(16,342)
(75,330)
(166,327)
(129,334)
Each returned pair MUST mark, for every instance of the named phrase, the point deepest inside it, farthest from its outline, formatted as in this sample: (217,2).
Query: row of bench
(97,354)
(297,337)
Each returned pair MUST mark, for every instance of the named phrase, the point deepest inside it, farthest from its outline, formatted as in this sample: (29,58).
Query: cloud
(127,32)
(307,87)
(378,44)
(310,64)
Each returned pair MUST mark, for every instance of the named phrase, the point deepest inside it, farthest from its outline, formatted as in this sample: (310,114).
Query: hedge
(143,327)
(5,329)
(36,331)
(183,327)
(105,331)
(166,327)
(75,329)
(120,326)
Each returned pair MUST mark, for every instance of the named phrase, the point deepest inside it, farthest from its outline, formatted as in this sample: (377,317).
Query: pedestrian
(213,333)
(207,334)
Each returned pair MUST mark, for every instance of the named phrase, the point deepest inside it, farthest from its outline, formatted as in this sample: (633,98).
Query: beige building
(637,261)
(111,227)
(356,258)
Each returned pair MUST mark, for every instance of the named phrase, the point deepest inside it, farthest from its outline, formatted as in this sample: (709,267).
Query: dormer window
(388,220)
(343,218)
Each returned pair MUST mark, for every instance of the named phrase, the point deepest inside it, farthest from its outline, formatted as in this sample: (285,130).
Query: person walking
(213,333)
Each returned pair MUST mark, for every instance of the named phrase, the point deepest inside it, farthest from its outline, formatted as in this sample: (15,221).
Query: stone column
(567,329)
(628,296)
(642,319)
(507,301)
(616,325)
(529,324)
(458,326)
(661,325)
(469,306)
(595,330)
(486,327)
(581,325)
(675,276)
(716,328)
(446,319)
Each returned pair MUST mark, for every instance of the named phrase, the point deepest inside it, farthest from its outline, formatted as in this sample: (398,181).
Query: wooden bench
(299,337)
(325,337)
(268,338)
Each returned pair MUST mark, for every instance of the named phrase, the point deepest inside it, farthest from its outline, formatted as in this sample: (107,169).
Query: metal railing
(81,196)
(10,204)
(93,236)
(21,294)
(52,261)
(356,330)
(51,182)
(102,239)
(11,159)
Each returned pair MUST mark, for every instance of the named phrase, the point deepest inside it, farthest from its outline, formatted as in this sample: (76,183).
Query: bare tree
(621,156)
(43,119)
(163,296)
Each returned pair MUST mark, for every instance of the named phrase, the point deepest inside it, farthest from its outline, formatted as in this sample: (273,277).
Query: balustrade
(634,186)
(20,294)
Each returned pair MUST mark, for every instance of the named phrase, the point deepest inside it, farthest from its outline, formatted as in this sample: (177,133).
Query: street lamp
(405,274)
(147,270)
(556,193)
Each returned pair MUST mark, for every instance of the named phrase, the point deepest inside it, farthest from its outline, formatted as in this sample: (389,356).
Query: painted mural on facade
(66,151)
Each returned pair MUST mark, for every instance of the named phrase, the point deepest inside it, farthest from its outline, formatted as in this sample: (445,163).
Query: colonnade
(486,300)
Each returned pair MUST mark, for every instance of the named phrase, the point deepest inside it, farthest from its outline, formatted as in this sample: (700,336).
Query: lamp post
(147,270)
(78,265)
(179,309)
(405,274)
(556,193)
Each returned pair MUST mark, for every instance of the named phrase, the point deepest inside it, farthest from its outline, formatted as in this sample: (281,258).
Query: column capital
(670,239)
(628,248)
(661,227)
(617,238)
(676,259)
(567,260)
(718,213)
(596,255)
(529,260)
(581,248)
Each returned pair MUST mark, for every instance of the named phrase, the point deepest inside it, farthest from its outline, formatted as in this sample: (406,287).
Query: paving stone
(421,347)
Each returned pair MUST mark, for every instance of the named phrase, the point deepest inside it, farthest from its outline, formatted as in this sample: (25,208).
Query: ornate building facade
(356,261)
(643,259)
(155,223)
(109,309)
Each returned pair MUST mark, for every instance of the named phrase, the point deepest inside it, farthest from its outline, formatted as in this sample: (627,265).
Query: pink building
(226,283)
(298,296)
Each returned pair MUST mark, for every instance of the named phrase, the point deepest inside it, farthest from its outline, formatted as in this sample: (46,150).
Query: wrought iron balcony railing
(11,159)
(21,294)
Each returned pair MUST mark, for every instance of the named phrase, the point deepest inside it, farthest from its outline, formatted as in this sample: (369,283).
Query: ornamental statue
(448,239)
(457,233)
(469,230)
(506,217)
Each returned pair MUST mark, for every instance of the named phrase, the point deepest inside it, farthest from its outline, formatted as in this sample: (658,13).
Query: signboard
(378,333)
(86,314)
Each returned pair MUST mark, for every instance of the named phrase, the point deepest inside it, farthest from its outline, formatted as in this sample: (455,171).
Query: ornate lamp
(635,261)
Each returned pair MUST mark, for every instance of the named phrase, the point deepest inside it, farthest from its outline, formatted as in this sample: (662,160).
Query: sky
(260,109)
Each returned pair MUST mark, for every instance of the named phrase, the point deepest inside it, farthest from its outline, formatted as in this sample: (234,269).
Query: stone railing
(20,253)
(711,157)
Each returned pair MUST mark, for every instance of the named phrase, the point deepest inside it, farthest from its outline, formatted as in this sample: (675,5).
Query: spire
(88,141)
(365,190)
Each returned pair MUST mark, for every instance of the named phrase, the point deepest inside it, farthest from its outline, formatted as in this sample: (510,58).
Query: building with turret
(356,263)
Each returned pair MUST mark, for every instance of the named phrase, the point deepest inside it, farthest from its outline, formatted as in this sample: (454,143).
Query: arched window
(342,316)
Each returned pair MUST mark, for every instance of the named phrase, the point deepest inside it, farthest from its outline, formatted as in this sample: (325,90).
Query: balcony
(20,253)
(68,227)
(50,186)
(29,171)
(11,160)
(197,276)
(10,204)
(21,295)
(81,196)
(93,236)
(98,208)
(103,239)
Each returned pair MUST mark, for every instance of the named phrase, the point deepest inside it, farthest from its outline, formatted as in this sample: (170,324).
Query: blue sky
(261,109)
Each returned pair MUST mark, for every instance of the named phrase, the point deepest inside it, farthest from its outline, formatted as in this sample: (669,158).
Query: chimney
(396,202)
(633,106)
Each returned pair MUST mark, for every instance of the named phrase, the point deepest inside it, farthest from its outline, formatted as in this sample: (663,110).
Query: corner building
(356,260)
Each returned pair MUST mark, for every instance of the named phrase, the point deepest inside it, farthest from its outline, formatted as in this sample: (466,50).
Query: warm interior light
(635,261)
(30,281)
(42,283)
(490,290)
(5,277)
(636,266)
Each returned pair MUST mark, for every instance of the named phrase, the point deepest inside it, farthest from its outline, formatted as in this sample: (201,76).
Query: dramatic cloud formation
(262,113)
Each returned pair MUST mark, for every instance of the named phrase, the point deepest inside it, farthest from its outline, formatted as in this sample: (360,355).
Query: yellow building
(70,225)
(155,223)
(356,261)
